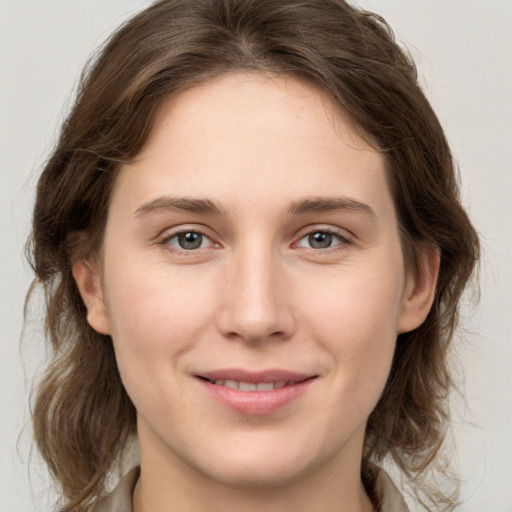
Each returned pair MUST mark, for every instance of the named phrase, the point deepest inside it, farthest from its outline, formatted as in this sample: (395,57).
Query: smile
(255,393)
(251,386)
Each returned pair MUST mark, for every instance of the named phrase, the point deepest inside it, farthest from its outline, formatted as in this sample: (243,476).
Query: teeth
(265,386)
(250,386)
(247,386)
(230,384)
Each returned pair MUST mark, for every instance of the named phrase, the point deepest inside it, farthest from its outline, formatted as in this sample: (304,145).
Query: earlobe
(420,290)
(89,285)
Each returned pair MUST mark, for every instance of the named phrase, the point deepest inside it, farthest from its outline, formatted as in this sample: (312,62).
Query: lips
(255,393)
(239,375)
(252,386)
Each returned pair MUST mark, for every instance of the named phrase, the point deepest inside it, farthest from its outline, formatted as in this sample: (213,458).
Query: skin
(258,293)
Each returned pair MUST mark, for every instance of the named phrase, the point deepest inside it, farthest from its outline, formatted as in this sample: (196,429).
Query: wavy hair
(82,415)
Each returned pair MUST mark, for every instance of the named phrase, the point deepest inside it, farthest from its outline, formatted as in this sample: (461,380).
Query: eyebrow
(183,204)
(208,207)
(330,204)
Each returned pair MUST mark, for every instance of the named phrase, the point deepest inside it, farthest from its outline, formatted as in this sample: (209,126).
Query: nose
(256,302)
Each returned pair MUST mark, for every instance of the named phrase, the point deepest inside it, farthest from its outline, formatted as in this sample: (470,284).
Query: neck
(147,497)
(169,484)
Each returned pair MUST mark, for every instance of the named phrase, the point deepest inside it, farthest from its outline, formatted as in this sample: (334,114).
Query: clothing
(386,495)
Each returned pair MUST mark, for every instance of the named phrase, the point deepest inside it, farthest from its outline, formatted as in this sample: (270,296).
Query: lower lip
(256,402)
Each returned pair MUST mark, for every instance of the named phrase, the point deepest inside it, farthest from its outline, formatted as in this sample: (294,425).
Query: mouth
(255,393)
(252,386)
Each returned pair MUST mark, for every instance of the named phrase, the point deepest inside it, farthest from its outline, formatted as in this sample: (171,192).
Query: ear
(420,289)
(89,285)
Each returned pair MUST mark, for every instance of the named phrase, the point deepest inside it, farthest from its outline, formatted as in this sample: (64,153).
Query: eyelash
(342,240)
(166,241)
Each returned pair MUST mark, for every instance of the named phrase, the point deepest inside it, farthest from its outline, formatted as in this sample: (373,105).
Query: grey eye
(320,240)
(188,240)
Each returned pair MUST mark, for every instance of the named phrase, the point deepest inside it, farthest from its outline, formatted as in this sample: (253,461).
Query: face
(252,279)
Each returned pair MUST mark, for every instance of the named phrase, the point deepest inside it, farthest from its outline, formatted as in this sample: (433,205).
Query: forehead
(253,104)
(248,134)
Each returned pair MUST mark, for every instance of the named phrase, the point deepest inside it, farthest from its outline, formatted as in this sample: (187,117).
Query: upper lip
(255,377)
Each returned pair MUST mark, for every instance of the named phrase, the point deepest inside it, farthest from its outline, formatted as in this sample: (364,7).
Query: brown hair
(82,415)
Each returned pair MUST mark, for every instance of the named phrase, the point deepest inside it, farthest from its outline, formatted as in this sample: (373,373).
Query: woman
(252,247)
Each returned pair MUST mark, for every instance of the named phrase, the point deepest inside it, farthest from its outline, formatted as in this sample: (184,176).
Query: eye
(188,240)
(322,239)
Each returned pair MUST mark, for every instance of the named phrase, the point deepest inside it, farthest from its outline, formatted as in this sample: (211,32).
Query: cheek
(154,317)
(152,326)
(154,298)
(359,304)
(356,321)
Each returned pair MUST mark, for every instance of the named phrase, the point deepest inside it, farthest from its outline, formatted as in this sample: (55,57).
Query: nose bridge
(254,306)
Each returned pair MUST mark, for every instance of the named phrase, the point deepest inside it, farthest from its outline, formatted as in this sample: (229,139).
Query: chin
(268,462)
(246,474)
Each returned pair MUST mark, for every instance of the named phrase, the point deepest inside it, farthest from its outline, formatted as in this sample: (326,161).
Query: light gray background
(463,49)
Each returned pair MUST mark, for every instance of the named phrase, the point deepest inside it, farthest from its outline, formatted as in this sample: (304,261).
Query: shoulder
(120,499)
(382,491)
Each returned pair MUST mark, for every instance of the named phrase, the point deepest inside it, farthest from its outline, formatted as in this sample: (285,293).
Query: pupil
(320,240)
(190,240)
